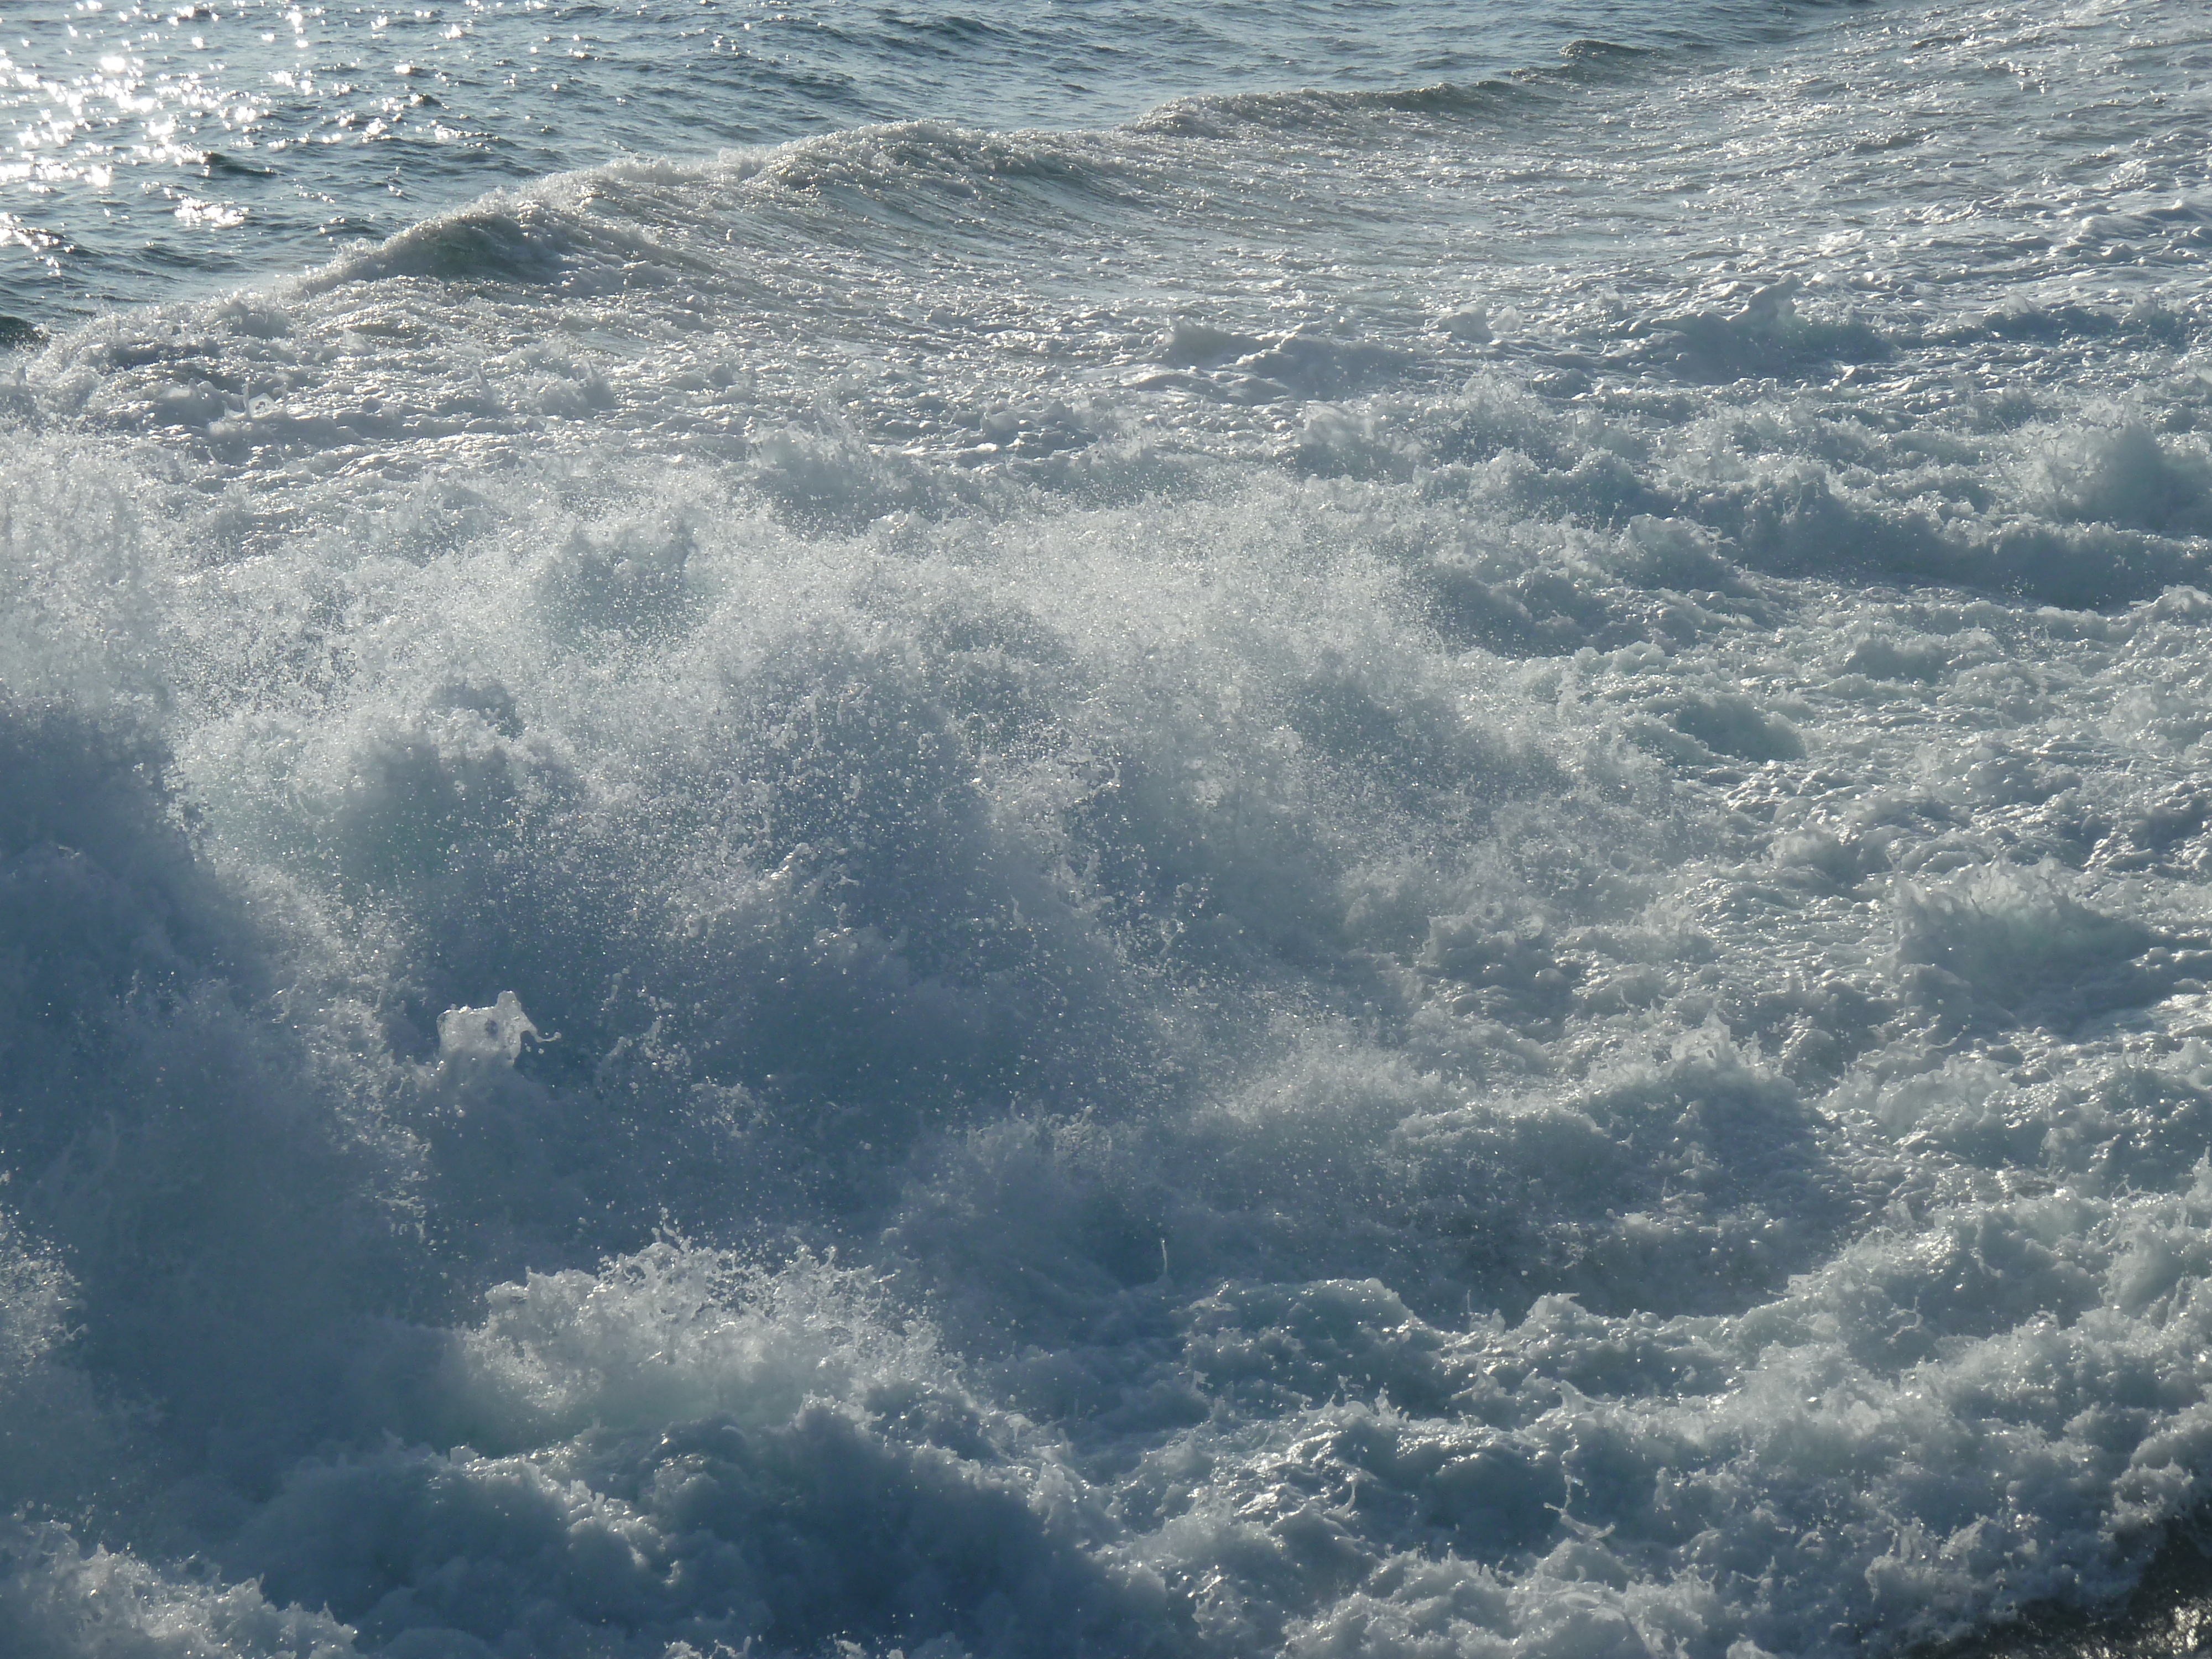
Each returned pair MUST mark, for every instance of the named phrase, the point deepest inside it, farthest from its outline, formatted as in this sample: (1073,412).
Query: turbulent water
(1115,861)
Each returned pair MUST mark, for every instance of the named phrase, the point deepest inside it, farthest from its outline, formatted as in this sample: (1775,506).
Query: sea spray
(969,892)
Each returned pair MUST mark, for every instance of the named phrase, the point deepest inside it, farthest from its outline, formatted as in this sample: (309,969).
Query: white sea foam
(740,907)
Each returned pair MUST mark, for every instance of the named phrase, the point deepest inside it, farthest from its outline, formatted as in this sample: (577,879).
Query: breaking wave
(1249,884)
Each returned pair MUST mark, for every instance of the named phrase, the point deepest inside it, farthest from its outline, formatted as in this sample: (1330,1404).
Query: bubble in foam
(494,1033)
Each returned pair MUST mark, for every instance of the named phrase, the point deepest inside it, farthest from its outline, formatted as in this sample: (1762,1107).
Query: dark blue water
(146,151)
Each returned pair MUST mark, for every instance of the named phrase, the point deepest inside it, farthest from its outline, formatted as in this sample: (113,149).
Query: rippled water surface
(1370,832)
(143,149)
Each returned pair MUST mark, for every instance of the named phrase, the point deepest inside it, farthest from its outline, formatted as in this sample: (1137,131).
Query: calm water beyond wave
(1361,832)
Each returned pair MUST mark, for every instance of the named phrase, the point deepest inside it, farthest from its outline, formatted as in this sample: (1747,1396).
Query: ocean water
(189,146)
(1356,831)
